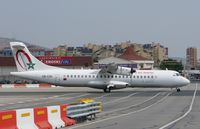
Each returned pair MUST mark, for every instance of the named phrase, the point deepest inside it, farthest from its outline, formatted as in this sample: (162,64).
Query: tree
(171,64)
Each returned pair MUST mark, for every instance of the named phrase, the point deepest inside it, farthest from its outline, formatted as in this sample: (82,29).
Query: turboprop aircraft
(109,78)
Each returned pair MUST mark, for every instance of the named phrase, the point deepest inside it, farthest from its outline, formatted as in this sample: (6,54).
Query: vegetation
(171,64)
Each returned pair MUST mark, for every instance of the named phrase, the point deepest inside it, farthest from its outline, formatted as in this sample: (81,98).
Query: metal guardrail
(84,110)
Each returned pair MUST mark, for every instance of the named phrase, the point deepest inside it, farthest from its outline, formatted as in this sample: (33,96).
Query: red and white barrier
(25,119)
(41,118)
(8,120)
(27,86)
(50,117)
(54,117)
(68,121)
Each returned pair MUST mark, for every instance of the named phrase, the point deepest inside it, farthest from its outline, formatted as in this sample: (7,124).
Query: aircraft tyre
(107,90)
(178,89)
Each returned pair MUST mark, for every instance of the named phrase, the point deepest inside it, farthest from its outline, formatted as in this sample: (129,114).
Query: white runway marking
(37,99)
(102,96)
(132,105)
(116,100)
(122,115)
(184,115)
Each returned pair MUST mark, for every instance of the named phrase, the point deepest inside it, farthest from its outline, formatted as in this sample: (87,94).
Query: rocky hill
(4,42)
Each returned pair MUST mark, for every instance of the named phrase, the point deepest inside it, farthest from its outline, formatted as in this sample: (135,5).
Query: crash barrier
(84,111)
(41,118)
(27,86)
(68,121)
(25,119)
(8,120)
(50,117)
(54,117)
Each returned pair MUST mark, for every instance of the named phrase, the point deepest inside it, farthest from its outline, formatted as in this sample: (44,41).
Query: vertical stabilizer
(24,60)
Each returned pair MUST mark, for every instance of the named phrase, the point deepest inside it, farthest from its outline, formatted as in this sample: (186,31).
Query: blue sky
(174,23)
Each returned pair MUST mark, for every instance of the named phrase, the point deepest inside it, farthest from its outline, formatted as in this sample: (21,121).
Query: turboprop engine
(114,69)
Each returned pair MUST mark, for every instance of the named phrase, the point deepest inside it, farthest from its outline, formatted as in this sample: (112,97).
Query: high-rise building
(61,50)
(191,58)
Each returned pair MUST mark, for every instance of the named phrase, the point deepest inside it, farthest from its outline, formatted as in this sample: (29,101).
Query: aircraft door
(57,78)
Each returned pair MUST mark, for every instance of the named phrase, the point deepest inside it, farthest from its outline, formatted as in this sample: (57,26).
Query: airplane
(108,78)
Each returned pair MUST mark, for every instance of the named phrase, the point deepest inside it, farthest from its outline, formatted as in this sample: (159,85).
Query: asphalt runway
(131,108)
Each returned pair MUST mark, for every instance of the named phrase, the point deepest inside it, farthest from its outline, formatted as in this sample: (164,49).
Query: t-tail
(24,60)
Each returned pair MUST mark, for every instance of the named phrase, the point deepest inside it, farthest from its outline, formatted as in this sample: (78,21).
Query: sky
(173,23)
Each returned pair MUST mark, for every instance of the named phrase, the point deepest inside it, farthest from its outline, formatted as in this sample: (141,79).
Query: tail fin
(24,60)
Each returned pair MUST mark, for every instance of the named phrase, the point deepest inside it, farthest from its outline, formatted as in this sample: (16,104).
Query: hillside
(4,42)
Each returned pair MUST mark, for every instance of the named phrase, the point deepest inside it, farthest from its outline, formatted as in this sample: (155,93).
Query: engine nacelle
(124,70)
(114,69)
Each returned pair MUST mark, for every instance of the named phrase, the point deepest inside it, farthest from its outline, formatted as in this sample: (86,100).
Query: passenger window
(104,76)
(140,76)
(74,76)
(67,75)
(101,76)
(81,76)
(89,76)
(108,76)
(78,76)
(151,76)
(85,76)
(71,76)
(112,76)
(93,76)
(144,76)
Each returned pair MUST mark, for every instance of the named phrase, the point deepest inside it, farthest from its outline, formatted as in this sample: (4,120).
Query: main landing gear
(107,90)
(178,89)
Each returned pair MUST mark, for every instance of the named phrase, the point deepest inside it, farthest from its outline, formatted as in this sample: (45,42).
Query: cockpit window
(176,74)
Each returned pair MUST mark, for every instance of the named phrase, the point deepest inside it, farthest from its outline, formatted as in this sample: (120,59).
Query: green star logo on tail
(31,65)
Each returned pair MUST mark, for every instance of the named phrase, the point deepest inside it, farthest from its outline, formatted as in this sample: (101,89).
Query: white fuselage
(93,78)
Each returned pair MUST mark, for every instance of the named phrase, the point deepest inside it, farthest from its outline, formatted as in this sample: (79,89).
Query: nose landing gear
(178,89)
(107,90)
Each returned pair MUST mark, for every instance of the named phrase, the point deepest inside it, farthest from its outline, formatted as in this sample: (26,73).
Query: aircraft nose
(186,81)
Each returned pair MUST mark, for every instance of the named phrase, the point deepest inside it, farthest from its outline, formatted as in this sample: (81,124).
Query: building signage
(55,60)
